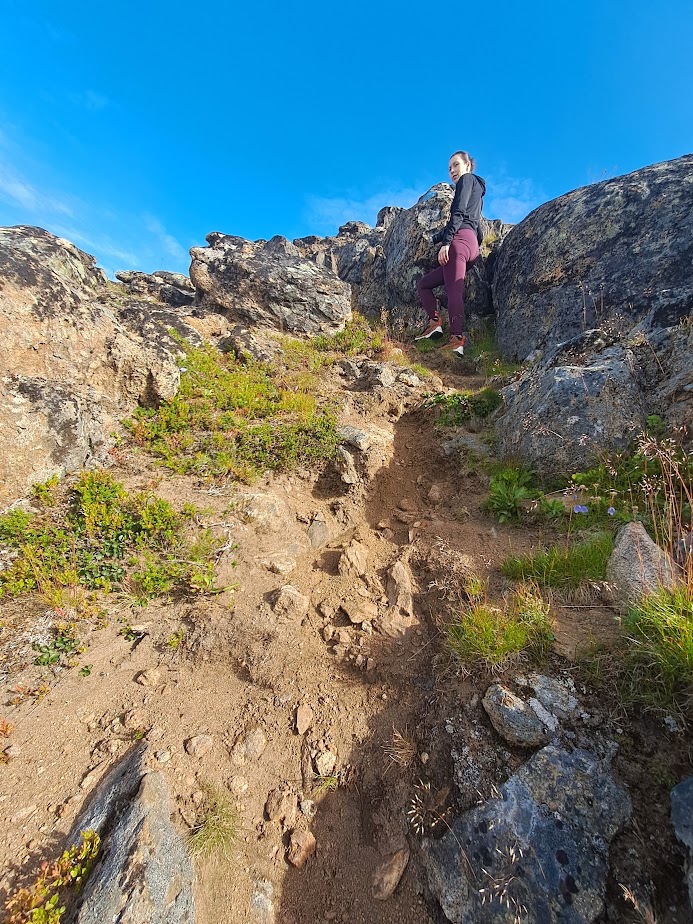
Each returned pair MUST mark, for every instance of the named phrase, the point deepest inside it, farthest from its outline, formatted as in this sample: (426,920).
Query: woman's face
(457,167)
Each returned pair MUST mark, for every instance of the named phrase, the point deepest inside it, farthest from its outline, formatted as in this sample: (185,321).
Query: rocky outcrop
(383,264)
(610,254)
(174,289)
(76,356)
(592,289)
(682,820)
(559,417)
(270,284)
(539,852)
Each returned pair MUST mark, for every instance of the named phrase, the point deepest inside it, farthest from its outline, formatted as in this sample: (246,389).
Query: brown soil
(240,667)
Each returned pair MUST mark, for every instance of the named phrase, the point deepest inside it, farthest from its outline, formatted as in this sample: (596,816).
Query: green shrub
(565,567)
(102,536)
(234,420)
(496,638)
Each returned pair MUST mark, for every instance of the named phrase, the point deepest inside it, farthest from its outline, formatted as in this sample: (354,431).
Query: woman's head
(460,163)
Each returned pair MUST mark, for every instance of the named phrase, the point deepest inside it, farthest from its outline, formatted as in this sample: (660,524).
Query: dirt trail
(245,668)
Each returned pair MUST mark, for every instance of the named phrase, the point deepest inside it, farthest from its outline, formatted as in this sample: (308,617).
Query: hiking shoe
(456,344)
(432,332)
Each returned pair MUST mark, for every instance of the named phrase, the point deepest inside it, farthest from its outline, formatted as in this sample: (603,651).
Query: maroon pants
(464,250)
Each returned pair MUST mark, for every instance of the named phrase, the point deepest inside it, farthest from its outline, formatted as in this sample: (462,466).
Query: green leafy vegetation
(455,408)
(47,899)
(219,826)
(495,637)
(59,649)
(234,420)
(102,538)
(563,568)
(509,492)
(357,338)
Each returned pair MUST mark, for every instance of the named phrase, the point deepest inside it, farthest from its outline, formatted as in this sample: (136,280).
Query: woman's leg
(464,249)
(425,287)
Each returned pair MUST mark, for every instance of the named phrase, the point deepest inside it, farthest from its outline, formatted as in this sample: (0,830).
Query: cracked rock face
(544,843)
(75,358)
(269,283)
(614,250)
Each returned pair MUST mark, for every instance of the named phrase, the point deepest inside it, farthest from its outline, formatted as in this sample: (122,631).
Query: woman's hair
(467,158)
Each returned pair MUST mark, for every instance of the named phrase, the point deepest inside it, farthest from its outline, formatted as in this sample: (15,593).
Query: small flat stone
(513,719)
(149,678)
(388,874)
(90,780)
(360,611)
(199,745)
(353,560)
(301,848)
(304,718)
(281,805)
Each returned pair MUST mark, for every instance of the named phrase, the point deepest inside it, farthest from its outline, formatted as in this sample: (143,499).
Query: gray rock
(547,839)
(199,745)
(268,284)
(318,532)
(143,873)
(637,566)
(682,820)
(513,719)
(466,443)
(346,467)
(611,252)
(172,288)
(554,695)
(560,418)
(261,904)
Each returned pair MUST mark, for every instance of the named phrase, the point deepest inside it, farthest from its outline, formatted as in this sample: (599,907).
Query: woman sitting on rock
(460,248)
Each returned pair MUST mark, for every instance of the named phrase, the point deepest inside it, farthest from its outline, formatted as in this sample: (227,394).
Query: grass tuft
(563,568)
(496,638)
(660,649)
(219,828)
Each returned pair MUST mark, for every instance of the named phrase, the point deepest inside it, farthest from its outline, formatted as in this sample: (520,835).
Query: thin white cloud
(16,190)
(98,245)
(511,198)
(325,214)
(166,240)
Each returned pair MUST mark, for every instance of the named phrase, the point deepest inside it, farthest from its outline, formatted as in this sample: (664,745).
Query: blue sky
(134,129)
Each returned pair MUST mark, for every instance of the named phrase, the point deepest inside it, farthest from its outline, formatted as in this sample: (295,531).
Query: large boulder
(559,418)
(269,284)
(538,853)
(76,355)
(606,254)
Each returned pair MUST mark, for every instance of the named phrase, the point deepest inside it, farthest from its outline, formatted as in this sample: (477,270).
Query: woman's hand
(444,254)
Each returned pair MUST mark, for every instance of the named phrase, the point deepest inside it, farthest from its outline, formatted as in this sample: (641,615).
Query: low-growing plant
(357,338)
(324,784)
(496,637)
(660,649)
(47,899)
(234,420)
(61,647)
(45,491)
(509,492)
(219,826)
(401,749)
(102,538)
(455,408)
(563,567)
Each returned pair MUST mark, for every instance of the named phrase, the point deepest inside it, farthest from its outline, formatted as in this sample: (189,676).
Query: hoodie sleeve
(458,210)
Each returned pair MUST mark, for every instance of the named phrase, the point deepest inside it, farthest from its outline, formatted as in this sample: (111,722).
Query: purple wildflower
(611,511)
(579,508)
